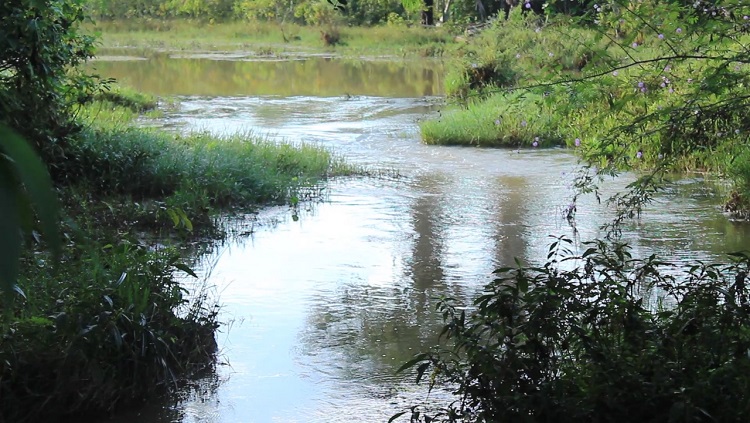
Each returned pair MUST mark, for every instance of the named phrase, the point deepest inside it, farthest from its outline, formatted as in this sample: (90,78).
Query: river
(319,312)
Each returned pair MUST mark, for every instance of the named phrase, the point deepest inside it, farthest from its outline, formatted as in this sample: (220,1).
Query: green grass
(113,321)
(199,174)
(107,325)
(266,38)
(512,121)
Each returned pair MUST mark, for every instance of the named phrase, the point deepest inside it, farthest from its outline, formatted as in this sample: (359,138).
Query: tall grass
(270,38)
(514,120)
(106,326)
(198,173)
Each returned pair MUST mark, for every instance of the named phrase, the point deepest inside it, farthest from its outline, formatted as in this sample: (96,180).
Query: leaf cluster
(598,336)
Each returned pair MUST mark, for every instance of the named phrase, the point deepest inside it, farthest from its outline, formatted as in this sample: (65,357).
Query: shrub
(598,336)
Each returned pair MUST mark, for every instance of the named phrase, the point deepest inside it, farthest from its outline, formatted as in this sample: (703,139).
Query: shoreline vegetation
(107,320)
(268,39)
(119,316)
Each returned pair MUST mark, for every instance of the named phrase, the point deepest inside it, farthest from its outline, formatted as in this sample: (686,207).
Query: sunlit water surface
(320,312)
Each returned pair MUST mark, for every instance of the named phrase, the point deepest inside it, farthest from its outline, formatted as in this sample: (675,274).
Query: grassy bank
(267,38)
(672,95)
(115,319)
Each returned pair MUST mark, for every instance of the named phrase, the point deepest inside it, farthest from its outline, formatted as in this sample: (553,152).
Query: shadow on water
(326,308)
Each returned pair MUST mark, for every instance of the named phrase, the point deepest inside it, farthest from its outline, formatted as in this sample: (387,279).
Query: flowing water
(321,311)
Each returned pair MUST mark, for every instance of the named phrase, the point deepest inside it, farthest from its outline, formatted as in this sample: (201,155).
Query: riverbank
(623,97)
(121,317)
(269,39)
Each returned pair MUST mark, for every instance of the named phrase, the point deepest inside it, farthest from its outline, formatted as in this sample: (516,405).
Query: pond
(319,312)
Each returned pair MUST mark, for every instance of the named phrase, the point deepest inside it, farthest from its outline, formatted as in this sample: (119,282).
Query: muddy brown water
(320,312)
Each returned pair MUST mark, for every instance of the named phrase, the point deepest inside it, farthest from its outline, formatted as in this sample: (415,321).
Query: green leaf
(32,183)
(395,416)
(418,358)
(185,268)
(10,235)
(421,369)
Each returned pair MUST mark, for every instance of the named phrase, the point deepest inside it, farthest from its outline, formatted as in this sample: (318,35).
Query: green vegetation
(672,94)
(268,38)
(597,336)
(303,12)
(113,315)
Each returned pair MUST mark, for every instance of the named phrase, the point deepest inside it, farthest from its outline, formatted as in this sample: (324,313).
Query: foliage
(672,93)
(24,183)
(110,325)
(598,336)
(40,45)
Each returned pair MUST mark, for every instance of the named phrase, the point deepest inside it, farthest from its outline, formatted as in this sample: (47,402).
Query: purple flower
(644,89)
(615,73)
(639,154)
(641,84)
(746,17)
(671,90)
(535,144)
(663,85)
(678,30)
(578,142)
(661,36)
(497,121)
(635,45)
(667,68)
(523,123)
(528,5)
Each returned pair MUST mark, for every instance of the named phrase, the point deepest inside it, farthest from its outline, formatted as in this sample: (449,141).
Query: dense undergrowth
(596,336)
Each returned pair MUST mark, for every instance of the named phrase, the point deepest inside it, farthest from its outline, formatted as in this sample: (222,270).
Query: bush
(598,336)
(109,326)
(40,46)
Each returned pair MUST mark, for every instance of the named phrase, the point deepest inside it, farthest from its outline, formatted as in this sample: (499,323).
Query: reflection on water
(310,76)
(325,309)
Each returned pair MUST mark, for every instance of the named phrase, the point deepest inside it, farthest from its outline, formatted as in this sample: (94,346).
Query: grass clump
(107,326)
(498,122)
(127,98)
(199,174)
